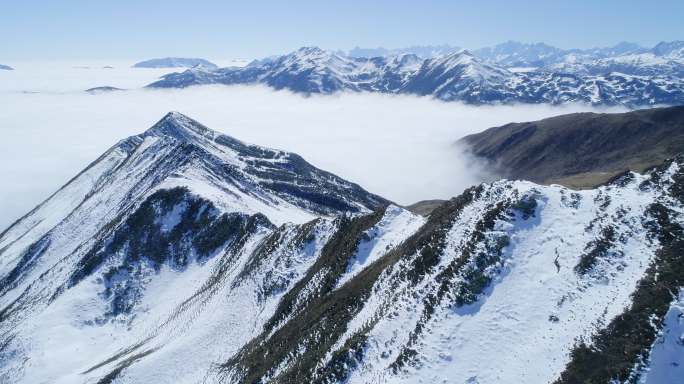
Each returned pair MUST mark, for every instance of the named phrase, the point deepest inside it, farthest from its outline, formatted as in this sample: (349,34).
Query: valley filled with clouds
(400,147)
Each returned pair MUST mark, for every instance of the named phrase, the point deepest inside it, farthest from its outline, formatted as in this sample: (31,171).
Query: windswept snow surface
(395,226)
(504,298)
(511,335)
(666,361)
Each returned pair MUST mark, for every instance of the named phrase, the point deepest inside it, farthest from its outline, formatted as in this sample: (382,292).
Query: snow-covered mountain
(665,59)
(139,232)
(516,54)
(539,55)
(6,67)
(425,51)
(459,76)
(176,62)
(183,255)
(307,70)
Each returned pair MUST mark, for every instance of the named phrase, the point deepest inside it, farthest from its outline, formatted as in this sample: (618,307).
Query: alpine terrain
(505,74)
(183,255)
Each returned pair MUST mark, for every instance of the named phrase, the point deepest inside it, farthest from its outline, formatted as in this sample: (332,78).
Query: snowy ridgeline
(182,255)
(630,78)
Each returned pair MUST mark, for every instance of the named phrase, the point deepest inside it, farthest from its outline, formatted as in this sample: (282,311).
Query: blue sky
(128,29)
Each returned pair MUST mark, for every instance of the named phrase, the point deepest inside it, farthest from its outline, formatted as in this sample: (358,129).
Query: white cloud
(397,146)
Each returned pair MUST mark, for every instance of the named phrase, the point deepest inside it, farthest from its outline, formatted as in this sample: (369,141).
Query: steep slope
(176,194)
(497,286)
(460,76)
(666,360)
(186,256)
(582,149)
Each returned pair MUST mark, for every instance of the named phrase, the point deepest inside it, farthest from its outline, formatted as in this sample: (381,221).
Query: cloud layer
(400,147)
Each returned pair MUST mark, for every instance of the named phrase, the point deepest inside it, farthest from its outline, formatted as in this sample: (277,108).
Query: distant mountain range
(508,73)
(425,51)
(6,67)
(183,255)
(517,54)
(176,62)
(581,150)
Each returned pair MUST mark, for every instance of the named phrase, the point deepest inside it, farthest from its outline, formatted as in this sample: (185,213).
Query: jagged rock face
(634,79)
(143,270)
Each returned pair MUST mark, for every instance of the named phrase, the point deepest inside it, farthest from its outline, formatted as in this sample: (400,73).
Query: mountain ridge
(582,149)
(631,81)
(178,256)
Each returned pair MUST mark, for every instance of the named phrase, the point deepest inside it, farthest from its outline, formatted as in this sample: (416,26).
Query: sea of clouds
(401,147)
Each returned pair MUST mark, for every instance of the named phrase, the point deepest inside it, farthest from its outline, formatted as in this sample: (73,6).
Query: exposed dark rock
(425,207)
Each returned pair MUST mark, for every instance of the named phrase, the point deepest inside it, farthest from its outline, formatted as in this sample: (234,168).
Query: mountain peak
(178,126)
(175,116)
(463,52)
(466,59)
(667,47)
(310,51)
(462,55)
